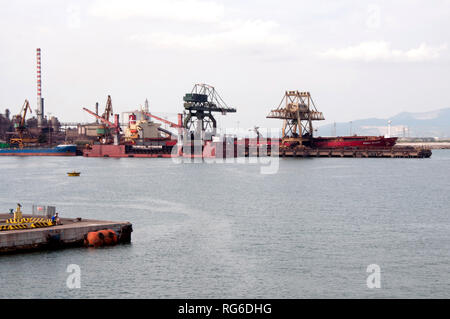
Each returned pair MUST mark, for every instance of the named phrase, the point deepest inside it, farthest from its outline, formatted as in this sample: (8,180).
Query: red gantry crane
(107,125)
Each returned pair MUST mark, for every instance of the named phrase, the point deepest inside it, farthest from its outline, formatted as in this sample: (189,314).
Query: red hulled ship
(354,142)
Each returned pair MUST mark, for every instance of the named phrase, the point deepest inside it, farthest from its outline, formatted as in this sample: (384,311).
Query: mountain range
(426,124)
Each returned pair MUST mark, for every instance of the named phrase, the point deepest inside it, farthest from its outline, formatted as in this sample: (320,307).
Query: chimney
(96,112)
(40,100)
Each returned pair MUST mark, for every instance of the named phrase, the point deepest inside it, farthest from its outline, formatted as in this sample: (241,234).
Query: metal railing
(42,210)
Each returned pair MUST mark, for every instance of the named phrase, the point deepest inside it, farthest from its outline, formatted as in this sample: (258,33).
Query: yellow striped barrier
(34,223)
(41,224)
(27,220)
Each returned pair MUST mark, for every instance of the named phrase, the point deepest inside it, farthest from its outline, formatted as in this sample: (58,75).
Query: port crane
(107,126)
(298,110)
(106,122)
(21,128)
(199,107)
(104,130)
(108,109)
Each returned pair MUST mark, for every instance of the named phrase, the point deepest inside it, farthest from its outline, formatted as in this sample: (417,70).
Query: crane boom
(25,107)
(108,109)
(171,124)
(105,121)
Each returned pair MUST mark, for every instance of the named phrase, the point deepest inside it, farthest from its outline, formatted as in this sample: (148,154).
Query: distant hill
(426,124)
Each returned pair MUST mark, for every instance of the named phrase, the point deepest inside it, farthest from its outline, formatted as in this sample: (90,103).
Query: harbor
(223,159)
(394,152)
(195,133)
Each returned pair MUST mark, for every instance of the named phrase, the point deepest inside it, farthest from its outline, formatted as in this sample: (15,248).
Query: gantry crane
(21,128)
(199,107)
(297,109)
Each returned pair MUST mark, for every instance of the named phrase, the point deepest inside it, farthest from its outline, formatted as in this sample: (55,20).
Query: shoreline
(430,145)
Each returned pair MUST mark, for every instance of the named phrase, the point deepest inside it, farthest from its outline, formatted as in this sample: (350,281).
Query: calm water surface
(227,231)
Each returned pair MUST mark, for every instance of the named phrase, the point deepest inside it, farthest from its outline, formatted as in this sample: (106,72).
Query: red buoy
(94,239)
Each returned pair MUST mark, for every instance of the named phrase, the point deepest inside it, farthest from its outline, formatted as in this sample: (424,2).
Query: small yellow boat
(73,173)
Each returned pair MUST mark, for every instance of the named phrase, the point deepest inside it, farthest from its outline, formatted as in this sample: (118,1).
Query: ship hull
(233,147)
(354,142)
(361,142)
(118,151)
(63,150)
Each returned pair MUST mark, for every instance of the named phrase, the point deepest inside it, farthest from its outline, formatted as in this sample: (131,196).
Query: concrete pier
(393,152)
(71,233)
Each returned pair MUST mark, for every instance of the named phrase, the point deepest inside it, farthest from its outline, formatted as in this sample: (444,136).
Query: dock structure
(71,233)
(393,152)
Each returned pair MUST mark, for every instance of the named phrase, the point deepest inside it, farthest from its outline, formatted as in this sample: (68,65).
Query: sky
(357,59)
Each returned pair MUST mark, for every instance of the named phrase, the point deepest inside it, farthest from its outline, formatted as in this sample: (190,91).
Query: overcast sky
(358,60)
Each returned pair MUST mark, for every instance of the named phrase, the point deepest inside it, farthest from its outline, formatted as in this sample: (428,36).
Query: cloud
(73,19)
(382,51)
(176,10)
(251,34)
(222,33)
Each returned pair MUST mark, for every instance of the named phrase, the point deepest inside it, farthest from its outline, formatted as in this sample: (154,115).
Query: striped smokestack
(38,57)
(40,100)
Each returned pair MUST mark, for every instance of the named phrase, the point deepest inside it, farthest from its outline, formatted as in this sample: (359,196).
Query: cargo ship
(162,149)
(60,150)
(235,147)
(142,138)
(353,142)
(360,142)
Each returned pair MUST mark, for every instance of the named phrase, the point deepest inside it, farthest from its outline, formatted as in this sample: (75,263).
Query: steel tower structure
(298,110)
(199,107)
